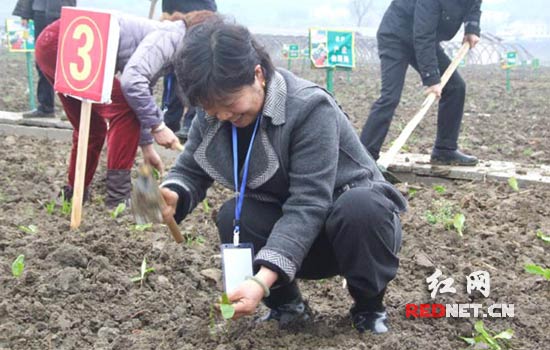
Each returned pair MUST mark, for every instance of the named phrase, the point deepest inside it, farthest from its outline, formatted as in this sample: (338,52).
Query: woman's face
(242,107)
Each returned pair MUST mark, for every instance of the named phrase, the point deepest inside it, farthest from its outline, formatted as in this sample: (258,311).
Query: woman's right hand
(150,156)
(166,138)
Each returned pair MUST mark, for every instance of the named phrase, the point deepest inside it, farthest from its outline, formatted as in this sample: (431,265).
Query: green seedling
(191,240)
(142,227)
(528,152)
(18,265)
(513,182)
(118,210)
(50,207)
(156,174)
(443,214)
(32,229)
(440,189)
(542,236)
(412,192)
(226,307)
(206,206)
(537,270)
(458,223)
(144,271)
(483,339)
(66,205)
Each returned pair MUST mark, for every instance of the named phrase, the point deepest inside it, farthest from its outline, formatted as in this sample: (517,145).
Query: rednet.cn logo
(478,280)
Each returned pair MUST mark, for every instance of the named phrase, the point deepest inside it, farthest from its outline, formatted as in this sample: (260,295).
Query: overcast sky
(301,14)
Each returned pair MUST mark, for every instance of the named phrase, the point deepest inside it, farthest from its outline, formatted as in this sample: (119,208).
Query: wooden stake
(81,156)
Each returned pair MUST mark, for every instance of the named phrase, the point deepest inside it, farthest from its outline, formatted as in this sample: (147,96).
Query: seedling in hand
(143,272)
(484,340)
(118,210)
(226,307)
(537,270)
(18,265)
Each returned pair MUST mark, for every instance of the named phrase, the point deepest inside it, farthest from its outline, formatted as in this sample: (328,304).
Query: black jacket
(425,23)
(185,6)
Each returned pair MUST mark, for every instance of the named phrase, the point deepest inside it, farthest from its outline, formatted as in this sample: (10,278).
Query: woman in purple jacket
(132,118)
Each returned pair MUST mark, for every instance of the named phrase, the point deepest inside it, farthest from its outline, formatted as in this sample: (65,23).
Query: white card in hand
(236,264)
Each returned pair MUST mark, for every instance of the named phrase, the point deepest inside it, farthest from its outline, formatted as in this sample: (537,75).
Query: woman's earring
(263,84)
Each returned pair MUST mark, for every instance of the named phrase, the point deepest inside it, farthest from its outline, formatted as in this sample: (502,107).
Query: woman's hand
(150,156)
(434,89)
(166,138)
(171,199)
(471,39)
(250,293)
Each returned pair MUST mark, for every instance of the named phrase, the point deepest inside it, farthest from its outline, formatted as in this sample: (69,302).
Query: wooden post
(81,156)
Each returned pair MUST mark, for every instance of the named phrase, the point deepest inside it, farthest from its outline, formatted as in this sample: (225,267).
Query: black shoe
(67,194)
(37,113)
(374,321)
(450,157)
(294,315)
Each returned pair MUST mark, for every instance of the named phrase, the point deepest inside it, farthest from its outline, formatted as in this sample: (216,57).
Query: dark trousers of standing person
(172,106)
(44,90)
(360,241)
(395,58)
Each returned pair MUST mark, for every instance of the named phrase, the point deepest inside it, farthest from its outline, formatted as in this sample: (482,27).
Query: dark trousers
(44,90)
(172,106)
(360,241)
(395,58)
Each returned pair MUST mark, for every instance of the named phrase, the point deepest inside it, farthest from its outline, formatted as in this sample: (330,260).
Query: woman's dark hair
(217,59)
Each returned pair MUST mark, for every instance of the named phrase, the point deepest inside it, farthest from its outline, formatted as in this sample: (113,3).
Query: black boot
(368,313)
(451,157)
(67,194)
(119,187)
(294,315)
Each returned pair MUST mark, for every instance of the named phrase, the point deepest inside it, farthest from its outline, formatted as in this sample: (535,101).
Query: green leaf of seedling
(488,339)
(206,206)
(226,308)
(118,210)
(412,192)
(513,182)
(458,223)
(156,174)
(507,334)
(470,341)
(543,236)
(537,270)
(29,229)
(18,265)
(144,270)
(50,207)
(440,189)
(142,227)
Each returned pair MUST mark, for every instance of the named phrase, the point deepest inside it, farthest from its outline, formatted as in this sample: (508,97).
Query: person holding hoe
(308,196)
(410,34)
(144,55)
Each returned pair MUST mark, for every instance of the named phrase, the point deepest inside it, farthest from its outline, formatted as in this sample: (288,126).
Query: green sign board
(20,38)
(291,51)
(511,58)
(332,48)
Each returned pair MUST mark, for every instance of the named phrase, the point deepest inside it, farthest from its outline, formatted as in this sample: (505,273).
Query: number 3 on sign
(83,52)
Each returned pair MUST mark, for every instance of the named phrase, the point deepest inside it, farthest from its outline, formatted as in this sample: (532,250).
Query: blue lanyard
(240,193)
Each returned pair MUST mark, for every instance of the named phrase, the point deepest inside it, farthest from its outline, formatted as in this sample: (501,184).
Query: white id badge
(236,264)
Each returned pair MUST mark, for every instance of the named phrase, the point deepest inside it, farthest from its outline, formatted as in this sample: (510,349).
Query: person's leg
(44,90)
(122,142)
(365,233)
(449,118)
(46,53)
(257,220)
(172,104)
(394,61)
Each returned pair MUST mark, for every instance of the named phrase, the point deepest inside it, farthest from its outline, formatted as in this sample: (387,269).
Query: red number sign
(86,56)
